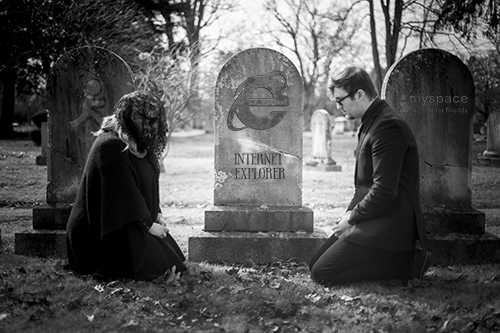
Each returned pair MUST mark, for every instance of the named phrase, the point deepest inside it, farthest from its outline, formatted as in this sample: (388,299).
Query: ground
(39,295)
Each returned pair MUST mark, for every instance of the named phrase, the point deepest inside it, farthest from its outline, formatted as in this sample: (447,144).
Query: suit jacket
(386,206)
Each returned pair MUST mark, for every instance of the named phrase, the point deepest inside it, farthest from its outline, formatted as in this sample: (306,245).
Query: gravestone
(491,156)
(340,125)
(42,158)
(321,153)
(83,87)
(257,214)
(434,91)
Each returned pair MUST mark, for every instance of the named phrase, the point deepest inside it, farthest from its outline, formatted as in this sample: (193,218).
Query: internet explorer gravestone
(321,152)
(434,91)
(83,87)
(257,214)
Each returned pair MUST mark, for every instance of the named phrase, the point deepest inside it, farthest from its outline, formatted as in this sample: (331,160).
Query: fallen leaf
(3,316)
(346,298)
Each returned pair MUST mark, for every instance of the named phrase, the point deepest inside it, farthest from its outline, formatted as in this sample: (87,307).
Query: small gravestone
(434,91)
(42,158)
(321,153)
(340,125)
(491,156)
(83,87)
(257,214)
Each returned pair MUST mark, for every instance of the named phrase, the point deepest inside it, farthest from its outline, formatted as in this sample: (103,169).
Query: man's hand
(342,225)
(158,230)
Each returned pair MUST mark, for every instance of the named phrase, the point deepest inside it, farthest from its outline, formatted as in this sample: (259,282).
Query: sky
(241,30)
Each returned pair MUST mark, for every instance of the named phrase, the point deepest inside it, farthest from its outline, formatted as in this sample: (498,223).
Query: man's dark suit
(386,205)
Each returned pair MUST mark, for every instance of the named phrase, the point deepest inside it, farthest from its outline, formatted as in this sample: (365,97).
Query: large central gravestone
(434,91)
(83,87)
(257,214)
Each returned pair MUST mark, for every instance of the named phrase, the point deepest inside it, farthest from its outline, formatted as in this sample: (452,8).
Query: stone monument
(83,87)
(321,153)
(257,214)
(434,91)
(491,156)
(42,158)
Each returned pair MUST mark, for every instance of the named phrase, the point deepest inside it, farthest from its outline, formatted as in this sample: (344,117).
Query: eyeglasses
(339,100)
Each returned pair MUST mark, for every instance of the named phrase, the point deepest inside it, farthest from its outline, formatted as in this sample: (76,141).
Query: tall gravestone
(434,91)
(83,87)
(257,213)
(321,152)
(491,156)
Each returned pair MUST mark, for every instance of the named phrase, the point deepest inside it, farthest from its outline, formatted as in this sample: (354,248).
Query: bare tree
(314,34)
(169,74)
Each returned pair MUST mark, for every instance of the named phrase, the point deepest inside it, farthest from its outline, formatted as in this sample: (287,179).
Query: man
(382,234)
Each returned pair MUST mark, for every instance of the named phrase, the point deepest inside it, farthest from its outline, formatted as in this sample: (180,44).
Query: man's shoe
(421,262)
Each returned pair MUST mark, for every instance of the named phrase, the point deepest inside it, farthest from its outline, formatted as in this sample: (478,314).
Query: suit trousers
(339,261)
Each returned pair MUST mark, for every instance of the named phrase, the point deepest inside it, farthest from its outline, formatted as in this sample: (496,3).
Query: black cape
(107,231)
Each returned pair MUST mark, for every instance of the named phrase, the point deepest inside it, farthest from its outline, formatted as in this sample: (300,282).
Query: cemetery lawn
(40,295)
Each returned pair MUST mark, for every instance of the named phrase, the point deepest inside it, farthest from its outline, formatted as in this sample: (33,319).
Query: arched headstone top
(83,86)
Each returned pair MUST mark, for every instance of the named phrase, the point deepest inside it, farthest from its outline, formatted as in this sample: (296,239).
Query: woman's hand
(342,225)
(158,230)
(161,220)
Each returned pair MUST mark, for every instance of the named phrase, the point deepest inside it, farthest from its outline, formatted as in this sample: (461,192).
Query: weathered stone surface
(321,136)
(41,243)
(254,248)
(83,87)
(53,216)
(454,249)
(491,156)
(259,218)
(434,91)
(258,131)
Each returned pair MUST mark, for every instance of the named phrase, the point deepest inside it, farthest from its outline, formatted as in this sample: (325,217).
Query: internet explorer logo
(275,84)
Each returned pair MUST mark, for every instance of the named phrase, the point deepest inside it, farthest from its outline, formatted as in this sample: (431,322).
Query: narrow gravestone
(83,87)
(491,156)
(42,158)
(434,91)
(321,152)
(340,125)
(257,214)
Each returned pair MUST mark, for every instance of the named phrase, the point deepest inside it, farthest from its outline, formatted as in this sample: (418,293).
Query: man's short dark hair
(352,79)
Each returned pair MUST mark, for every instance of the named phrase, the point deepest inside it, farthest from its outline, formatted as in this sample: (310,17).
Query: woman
(116,229)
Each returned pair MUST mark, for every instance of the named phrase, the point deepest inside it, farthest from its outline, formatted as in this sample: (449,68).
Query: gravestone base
(493,161)
(259,218)
(52,216)
(445,221)
(249,248)
(325,168)
(41,243)
(455,249)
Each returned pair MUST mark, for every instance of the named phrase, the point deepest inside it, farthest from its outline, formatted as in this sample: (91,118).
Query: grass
(39,295)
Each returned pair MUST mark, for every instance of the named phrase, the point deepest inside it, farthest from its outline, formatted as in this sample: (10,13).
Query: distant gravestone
(434,91)
(258,162)
(340,125)
(42,158)
(82,88)
(491,156)
(321,152)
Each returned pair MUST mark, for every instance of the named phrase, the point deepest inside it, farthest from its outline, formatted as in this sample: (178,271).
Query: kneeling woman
(116,229)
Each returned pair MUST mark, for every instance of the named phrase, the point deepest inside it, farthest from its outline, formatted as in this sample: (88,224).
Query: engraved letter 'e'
(275,83)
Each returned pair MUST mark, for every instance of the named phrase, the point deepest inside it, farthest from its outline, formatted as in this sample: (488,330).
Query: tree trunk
(8,78)
(375,54)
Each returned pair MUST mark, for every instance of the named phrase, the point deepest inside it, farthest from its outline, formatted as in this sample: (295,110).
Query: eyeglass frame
(339,100)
